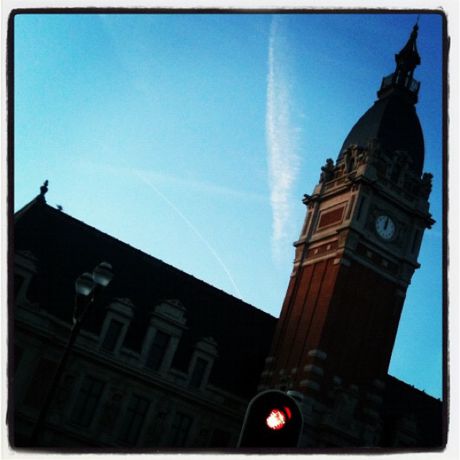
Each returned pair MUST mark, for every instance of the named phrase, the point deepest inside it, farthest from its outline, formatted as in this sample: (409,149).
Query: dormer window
(198,372)
(167,323)
(112,335)
(115,326)
(158,350)
(201,363)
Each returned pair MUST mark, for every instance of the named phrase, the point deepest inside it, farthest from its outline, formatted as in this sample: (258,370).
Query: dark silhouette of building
(166,360)
(353,263)
(163,360)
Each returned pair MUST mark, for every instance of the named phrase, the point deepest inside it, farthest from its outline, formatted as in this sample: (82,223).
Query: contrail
(193,228)
(283,162)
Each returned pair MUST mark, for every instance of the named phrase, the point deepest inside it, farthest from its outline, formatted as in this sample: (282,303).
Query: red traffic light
(273,419)
(278,418)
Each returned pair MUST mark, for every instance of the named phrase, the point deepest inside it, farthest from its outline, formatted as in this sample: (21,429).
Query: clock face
(385,227)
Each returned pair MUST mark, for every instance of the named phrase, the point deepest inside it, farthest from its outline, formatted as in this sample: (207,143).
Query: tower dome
(392,120)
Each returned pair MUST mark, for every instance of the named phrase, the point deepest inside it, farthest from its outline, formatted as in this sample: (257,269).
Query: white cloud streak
(149,182)
(283,161)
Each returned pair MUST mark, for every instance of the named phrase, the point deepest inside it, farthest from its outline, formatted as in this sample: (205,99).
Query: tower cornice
(397,199)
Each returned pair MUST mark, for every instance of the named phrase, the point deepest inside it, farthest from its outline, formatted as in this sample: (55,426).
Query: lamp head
(84,284)
(102,274)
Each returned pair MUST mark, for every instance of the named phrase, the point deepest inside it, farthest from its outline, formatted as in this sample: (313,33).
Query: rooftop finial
(43,189)
(402,80)
(414,31)
(408,58)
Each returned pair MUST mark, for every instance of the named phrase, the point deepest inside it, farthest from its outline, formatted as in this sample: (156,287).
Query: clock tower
(358,248)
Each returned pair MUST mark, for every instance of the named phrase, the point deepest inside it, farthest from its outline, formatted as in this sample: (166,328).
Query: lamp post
(87,289)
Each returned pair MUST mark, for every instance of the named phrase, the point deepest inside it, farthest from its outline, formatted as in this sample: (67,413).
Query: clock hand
(386,223)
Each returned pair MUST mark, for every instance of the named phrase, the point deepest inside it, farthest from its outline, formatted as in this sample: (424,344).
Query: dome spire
(408,58)
(403,77)
(392,121)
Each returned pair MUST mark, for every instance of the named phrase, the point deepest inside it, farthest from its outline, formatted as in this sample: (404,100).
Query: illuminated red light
(278,418)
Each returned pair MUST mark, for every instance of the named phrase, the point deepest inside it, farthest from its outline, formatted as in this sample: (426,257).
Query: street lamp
(87,289)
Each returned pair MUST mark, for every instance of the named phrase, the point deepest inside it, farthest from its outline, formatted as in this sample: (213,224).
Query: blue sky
(194,138)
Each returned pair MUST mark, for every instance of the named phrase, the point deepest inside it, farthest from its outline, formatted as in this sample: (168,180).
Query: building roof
(66,247)
(392,120)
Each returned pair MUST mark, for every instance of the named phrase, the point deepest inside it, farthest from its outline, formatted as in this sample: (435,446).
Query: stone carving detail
(427,184)
(362,157)
(353,157)
(327,171)
(348,159)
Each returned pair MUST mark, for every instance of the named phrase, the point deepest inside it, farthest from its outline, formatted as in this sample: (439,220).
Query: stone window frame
(122,311)
(73,418)
(144,419)
(168,316)
(154,363)
(206,350)
(176,429)
(112,336)
(198,373)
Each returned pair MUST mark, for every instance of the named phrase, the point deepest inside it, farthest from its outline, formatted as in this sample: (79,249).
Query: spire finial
(403,76)
(43,190)
(408,58)
(414,33)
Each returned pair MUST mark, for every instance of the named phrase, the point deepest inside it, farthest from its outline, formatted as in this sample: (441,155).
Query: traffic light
(273,419)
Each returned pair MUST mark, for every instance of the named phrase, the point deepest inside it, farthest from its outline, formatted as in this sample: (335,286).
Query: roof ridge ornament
(43,191)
